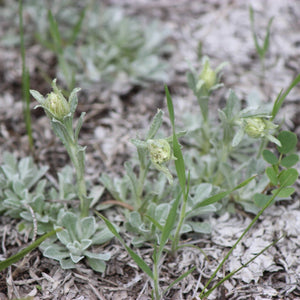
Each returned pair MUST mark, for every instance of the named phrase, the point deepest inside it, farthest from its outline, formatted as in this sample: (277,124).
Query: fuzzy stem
(81,186)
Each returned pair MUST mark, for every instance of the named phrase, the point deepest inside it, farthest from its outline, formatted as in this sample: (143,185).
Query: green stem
(240,268)
(142,176)
(156,260)
(202,294)
(81,186)
(181,220)
(261,148)
(25,81)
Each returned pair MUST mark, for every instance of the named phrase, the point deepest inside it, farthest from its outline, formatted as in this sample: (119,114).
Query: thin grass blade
(140,262)
(13,259)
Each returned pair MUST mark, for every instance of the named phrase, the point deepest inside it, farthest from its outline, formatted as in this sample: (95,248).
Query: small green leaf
(261,200)
(191,82)
(285,192)
(73,100)
(155,125)
(288,141)
(96,264)
(288,177)
(233,106)
(290,160)
(238,137)
(86,227)
(78,126)
(271,173)
(270,157)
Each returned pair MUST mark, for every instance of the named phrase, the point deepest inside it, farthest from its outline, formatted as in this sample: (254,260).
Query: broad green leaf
(86,227)
(261,200)
(201,227)
(290,160)
(97,264)
(38,97)
(288,141)
(13,259)
(191,82)
(288,177)
(272,175)
(238,137)
(64,237)
(233,106)
(270,157)
(285,192)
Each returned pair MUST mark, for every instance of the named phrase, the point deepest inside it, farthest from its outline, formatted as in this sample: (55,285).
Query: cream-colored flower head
(159,150)
(208,75)
(255,127)
(57,105)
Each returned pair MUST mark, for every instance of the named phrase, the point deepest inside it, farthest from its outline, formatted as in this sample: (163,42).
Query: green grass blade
(77,27)
(221,195)
(140,262)
(170,106)
(257,46)
(6,263)
(155,223)
(171,219)
(25,80)
(267,38)
(179,162)
(179,279)
(279,101)
(239,239)
(240,268)
(54,31)
(244,183)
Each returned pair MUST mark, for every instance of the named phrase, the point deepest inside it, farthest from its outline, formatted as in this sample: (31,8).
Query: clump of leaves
(123,52)
(99,45)
(229,149)
(78,235)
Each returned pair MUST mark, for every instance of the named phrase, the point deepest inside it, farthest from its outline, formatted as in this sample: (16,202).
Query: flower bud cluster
(208,75)
(255,127)
(57,105)
(258,127)
(159,150)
